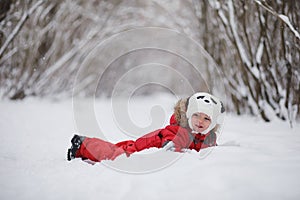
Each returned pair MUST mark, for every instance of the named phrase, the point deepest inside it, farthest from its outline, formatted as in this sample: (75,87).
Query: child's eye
(206,118)
(196,115)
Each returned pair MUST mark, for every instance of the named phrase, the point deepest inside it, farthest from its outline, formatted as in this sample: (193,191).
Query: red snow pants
(97,149)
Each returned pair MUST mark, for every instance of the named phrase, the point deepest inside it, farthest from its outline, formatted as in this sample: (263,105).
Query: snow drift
(255,160)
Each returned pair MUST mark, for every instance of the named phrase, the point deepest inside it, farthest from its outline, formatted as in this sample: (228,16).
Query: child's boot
(76,141)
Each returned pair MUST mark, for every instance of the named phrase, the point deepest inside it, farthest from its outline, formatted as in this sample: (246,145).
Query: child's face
(200,122)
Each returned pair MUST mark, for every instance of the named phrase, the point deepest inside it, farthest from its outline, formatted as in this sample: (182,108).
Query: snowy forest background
(254,43)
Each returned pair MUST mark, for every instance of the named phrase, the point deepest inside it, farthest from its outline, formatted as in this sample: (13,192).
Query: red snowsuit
(96,149)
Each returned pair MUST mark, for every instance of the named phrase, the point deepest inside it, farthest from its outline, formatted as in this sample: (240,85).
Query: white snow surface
(256,161)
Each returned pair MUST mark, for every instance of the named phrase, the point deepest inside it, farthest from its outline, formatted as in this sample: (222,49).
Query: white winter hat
(208,104)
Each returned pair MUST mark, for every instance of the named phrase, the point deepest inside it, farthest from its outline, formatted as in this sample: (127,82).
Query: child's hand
(169,146)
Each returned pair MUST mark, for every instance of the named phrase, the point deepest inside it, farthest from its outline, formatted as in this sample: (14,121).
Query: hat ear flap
(222,107)
(221,116)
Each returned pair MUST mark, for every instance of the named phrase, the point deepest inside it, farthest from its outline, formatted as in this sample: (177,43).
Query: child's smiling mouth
(199,126)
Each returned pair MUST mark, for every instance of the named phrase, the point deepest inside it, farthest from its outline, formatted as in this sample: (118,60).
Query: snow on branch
(282,17)
(19,26)
(260,50)
(286,20)
(236,36)
(239,44)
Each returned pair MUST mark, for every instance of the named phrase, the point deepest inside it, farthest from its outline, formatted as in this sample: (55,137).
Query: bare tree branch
(282,17)
(19,25)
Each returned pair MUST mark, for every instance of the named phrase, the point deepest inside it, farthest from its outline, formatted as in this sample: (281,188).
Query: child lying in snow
(192,126)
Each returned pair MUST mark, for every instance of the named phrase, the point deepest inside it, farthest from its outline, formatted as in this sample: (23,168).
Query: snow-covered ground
(261,160)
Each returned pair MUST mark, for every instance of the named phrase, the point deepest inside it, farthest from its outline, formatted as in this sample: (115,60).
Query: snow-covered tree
(44,42)
(257,45)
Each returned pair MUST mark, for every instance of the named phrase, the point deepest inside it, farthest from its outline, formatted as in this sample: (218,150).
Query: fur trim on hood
(180,113)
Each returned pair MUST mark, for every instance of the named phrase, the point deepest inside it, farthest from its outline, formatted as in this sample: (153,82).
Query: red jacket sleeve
(158,138)
(181,137)
(149,140)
